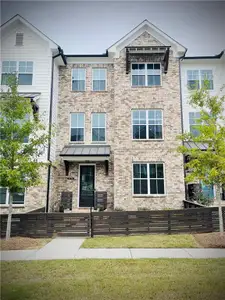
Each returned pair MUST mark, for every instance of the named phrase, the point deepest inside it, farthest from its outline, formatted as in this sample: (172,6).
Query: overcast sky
(93,26)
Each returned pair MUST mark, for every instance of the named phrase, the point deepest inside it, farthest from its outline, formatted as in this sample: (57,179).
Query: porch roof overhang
(148,53)
(85,153)
(195,145)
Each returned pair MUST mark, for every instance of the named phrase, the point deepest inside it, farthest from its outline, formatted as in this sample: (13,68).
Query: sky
(90,27)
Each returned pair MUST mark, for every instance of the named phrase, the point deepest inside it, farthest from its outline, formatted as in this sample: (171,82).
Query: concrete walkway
(69,248)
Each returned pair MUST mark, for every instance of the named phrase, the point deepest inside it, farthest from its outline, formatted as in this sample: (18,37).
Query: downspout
(50,128)
(182,117)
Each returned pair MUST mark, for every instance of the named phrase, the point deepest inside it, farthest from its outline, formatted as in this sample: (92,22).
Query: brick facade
(117,102)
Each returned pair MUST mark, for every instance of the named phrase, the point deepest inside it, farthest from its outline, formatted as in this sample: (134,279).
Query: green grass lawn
(142,241)
(161,279)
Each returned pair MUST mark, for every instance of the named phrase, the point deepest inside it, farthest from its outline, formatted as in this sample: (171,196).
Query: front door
(87,185)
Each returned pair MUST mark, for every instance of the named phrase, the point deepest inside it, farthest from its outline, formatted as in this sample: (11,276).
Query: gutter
(217,56)
(182,117)
(50,124)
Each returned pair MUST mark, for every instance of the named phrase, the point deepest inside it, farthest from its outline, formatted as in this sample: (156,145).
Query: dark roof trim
(88,55)
(97,155)
(217,56)
(61,53)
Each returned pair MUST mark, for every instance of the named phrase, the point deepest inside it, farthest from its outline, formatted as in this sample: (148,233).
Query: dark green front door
(87,185)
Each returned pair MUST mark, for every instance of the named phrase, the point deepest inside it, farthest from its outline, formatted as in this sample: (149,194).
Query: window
(98,127)
(8,68)
(22,69)
(196,78)
(194,122)
(147,124)
(208,76)
(148,179)
(78,79)
(19,39)
(146,74)
(99,79)
(25,74)
(18,198)
(77,127)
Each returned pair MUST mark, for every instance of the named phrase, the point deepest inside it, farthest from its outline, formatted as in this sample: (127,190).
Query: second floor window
(77,127)
(99,79)
(200,79)
(147,74)
(98,127)
(147,124)
(22,69)
(78,79)
(194,122)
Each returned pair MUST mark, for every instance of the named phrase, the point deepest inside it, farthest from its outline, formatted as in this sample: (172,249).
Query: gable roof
(53,45)
(31,26)
(154,31)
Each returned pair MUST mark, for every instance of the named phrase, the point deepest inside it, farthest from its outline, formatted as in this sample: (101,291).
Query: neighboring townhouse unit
(118,117)
(194,70)
(34,59)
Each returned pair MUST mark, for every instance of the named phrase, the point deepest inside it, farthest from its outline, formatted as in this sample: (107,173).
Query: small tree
(207,165)
(19,165)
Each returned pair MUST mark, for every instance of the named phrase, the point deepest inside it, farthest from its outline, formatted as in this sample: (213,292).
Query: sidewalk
(69,248)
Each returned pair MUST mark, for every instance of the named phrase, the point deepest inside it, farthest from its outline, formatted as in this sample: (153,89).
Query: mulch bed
(211,240)
(22,243)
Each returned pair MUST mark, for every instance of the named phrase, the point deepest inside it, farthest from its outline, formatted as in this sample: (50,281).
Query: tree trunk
(8,228)
(218,198)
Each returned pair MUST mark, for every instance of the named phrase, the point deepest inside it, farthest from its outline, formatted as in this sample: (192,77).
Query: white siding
(218,68)
(34,49)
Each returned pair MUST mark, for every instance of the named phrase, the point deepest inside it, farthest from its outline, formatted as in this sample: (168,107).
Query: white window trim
(148,180)
(84,164)
(147,124)
(98,142)
(106,81)
(17,71)
(14,205)
(146,75)
(71,81)
(199,77)
(76,142)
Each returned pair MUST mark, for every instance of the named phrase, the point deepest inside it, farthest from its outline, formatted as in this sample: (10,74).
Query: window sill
(148,140)
(76,142)
(149,196)
(146,87)
(14,205)
(99,91)
(97,143)
(76,92)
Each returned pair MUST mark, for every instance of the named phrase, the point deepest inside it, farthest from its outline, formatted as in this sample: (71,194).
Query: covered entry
(86,156)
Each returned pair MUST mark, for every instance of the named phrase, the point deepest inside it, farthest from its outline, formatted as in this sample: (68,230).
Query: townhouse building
(117,116)
(194,70)
(34,59)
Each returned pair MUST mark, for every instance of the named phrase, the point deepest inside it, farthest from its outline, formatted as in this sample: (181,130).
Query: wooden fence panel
(193,220)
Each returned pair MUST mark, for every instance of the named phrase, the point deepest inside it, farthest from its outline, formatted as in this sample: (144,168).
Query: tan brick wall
(35,197)
(118,101)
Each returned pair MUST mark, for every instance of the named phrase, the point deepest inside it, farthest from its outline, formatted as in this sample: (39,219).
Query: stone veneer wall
(87,102)
(118,101)
(35,197)
(126,151)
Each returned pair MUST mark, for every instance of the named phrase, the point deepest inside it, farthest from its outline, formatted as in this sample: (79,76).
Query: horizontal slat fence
(193,220)
(47,224)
